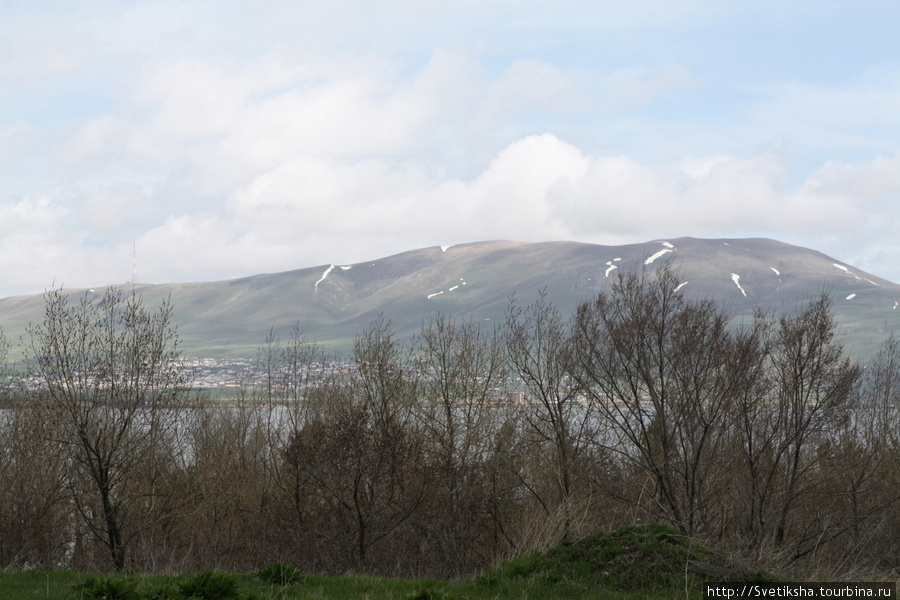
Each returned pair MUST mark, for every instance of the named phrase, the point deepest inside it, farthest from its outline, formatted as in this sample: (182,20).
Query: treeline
(445,453)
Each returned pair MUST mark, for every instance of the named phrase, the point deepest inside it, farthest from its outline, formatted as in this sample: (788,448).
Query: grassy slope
(62,586)
(632,562)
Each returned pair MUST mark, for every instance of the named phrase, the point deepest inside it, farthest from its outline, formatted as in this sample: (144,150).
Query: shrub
(631,558)
(107,588)
(427,593)
(280,574)
(209,585)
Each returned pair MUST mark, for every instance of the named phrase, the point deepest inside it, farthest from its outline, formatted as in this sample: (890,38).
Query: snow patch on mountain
(680,285)
(776,271)
(346,268)
(668,248)
(662,252)
(462,282)
(737,281)
(610,267)
(849,272)
(445,248)
(324,275)
(850,297)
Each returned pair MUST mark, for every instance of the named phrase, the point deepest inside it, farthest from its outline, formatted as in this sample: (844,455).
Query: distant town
(212,373)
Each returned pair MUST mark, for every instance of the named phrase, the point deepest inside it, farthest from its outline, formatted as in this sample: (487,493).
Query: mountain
(331,303)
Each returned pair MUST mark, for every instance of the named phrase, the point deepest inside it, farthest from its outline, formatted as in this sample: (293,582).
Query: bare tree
(361,449)
(293,370)
(463,375)
(657,366)
(813,383)
(881,393)
(794,405)
(537,343)
(227,480)
(6,380)
(861,465)
(33,517)
(112,381)
(755,433)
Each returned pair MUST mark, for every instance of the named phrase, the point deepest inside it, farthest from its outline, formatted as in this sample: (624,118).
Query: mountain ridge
(333,302)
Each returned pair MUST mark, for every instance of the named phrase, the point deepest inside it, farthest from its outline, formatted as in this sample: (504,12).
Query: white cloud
(112,208)
(231,139)
(212,128)
(537,188)
(878,179)
(319,210)
(702,197)
(96,141)
(38,246)
(30,215)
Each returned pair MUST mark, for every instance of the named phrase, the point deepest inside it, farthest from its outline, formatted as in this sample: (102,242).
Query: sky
(216,139)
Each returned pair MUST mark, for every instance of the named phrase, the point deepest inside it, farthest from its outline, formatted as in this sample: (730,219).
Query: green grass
(630,559)
(632,562)
(32,584)
(37,585)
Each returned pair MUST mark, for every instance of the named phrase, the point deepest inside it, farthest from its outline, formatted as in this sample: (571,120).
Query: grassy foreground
(629,563)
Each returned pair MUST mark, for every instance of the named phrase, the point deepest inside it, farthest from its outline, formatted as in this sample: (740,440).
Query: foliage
(427,592)
(108,588)
(632,558)
(280,574)
(209,585)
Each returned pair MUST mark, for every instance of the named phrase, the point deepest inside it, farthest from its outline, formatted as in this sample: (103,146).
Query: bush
(280,574)
(428,593)
(107,588)
(631,558)
(209,585)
